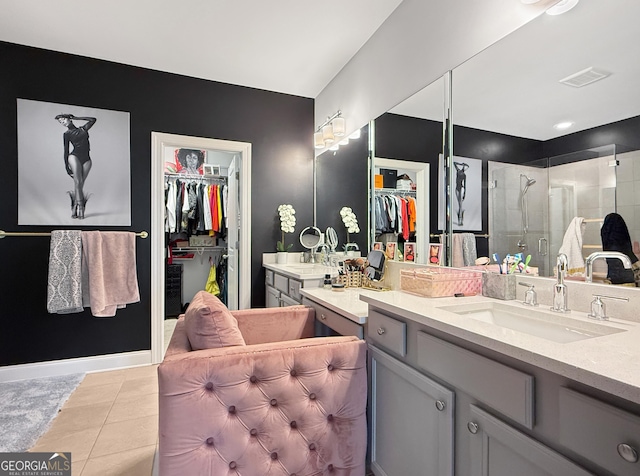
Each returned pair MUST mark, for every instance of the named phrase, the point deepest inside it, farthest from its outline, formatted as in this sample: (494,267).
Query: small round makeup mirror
(311,237)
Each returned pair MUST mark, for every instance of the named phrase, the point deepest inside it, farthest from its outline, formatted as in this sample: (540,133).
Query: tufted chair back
(284,406)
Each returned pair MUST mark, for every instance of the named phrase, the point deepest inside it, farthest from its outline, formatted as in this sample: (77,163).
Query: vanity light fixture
(563,125)
(326,134)
(562,6)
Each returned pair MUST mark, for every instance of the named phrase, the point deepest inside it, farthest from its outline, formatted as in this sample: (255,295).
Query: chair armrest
(262,405)
(275,324)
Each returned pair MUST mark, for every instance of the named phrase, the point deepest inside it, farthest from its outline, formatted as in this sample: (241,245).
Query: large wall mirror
(510,102)
(534,179)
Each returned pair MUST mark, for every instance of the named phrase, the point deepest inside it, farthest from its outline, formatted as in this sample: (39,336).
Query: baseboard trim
(96,363)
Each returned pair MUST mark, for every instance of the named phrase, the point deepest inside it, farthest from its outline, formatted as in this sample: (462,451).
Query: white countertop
(302,271)
(346,303)
(610,362)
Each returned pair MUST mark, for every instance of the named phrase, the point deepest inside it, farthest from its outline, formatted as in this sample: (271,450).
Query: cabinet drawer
(269,277)
(340,324)
(601,433)
(294,289)
(387,332)
(281,282)
(504,389)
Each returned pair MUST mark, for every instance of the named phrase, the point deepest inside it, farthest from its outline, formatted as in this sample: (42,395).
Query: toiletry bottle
(327,281)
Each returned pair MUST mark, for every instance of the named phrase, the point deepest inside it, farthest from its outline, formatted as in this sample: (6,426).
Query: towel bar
(142,234)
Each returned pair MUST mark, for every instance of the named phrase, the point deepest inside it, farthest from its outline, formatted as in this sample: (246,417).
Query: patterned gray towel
(64,287)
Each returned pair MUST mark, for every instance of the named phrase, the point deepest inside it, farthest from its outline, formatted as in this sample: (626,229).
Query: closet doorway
(237,175)
(419,172)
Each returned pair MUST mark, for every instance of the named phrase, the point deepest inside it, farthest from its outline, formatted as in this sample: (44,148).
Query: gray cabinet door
(498,449)
(273,297)
(411,421)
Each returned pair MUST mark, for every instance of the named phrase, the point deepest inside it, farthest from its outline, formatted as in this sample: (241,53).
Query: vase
(281,257)
(350,249)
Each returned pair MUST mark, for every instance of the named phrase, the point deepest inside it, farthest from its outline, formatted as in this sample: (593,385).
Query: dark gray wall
(279,127)
(342,182)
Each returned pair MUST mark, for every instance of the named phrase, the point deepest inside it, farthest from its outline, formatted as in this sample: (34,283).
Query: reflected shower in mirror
(540,175)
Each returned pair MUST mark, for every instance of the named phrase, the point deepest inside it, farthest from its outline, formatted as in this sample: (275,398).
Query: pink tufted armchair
(282,404)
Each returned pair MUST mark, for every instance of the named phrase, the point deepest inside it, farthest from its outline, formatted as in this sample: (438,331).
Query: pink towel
(109,277)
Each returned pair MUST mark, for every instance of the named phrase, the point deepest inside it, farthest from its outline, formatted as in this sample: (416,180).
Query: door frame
(158,141)
(421,170)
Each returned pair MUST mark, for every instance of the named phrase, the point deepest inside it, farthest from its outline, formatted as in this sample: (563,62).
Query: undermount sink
(309,269)
(546,325)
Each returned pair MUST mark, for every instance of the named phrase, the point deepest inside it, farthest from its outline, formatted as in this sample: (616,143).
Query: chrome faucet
(560,289)
(324,253)
(588,262)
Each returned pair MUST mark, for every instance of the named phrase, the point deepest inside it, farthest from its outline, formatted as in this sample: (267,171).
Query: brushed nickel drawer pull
(472,427)
(628,453)
(440,405)
(323,317)
(381,331)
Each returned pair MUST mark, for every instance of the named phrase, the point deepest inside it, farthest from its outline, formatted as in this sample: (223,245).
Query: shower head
(529,181)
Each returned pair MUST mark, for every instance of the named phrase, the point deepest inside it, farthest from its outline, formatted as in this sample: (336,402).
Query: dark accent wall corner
(279,127)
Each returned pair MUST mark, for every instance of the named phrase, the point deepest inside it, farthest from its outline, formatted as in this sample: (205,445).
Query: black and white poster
(466,197)
(73,165)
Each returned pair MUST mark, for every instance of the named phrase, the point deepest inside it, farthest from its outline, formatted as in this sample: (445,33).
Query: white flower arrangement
(287,225)
(350,221)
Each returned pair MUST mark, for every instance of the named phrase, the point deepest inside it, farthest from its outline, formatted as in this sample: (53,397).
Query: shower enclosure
(531,205)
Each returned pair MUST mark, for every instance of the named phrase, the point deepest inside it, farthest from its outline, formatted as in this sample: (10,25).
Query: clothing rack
(142,234)
(477,235)
(593,220)
(208,178)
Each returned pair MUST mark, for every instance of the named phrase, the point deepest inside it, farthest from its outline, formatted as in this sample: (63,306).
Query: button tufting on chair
(202,429)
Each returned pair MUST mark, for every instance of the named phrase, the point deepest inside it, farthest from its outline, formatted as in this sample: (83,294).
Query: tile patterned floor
(110,422)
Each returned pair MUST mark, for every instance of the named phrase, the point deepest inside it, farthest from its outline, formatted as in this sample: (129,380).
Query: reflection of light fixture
(562,6)
(563,125)
(344,141)
(355,135)
(529,2)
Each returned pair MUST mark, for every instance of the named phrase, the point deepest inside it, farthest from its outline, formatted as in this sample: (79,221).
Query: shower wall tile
(625,193)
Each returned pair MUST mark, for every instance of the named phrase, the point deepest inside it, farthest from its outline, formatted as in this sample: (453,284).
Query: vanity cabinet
(497,449)
(411,419)
(333,320)
(282,290)
(438,404)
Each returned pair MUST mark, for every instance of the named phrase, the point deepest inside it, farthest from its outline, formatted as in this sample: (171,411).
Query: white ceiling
(289,46)
(512,87)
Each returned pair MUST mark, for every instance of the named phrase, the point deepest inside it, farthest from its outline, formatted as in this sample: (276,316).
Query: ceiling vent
(584,77)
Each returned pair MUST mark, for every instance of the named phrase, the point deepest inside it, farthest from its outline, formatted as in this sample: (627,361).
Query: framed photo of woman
(435,254)
(410,252)
(390,250)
